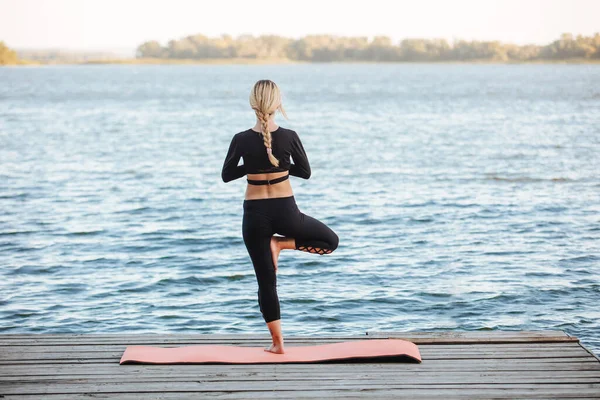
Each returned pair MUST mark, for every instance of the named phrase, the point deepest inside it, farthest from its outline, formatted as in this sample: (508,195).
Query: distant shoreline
(247,61)
(200,49)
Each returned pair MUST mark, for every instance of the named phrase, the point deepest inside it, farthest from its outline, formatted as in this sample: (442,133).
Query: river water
(465,197)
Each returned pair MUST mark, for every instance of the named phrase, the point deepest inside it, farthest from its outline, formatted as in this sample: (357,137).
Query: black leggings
(262,219)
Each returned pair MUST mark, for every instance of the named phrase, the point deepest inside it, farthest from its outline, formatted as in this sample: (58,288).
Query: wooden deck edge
(482,341)
(446,333)
(481,337)
(417,337)
(458,333)
(591,352)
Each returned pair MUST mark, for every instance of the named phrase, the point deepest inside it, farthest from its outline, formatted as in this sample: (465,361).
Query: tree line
(323,48)
(7,56)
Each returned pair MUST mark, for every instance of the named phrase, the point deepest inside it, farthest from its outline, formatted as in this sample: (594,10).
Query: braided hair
(265,99)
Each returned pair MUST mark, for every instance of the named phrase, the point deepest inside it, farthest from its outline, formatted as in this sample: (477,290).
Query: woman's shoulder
(243,134)
(290,135)
(289,131)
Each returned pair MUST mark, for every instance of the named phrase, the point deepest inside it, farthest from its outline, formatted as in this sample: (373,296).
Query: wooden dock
(455,364)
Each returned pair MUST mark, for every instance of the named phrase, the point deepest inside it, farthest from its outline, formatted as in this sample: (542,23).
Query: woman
(269,204)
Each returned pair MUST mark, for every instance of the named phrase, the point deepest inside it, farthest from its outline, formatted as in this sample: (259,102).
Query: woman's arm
(301,166)
(231,170)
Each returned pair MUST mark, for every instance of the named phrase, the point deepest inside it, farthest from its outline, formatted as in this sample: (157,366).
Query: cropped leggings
(265,217)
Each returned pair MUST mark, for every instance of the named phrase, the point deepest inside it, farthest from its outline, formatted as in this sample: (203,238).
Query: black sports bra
(268,182)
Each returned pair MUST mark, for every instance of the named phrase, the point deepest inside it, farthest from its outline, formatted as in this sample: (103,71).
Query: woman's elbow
(306,171)
(226,178)
(303,173)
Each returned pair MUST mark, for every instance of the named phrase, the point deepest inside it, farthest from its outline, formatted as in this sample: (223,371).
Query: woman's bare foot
(279,243)
(275,250)
(276,348)
(276,337)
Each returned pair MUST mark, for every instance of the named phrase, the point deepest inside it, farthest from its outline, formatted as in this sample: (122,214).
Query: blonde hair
(265,99)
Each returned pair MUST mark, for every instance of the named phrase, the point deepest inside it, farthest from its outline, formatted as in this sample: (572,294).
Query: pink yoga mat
(377,350)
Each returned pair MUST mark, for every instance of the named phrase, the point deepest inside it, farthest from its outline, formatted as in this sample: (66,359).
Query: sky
(122,25)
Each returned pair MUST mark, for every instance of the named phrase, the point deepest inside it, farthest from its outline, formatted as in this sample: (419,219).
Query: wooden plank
(474,334)
(306,341)
(179,336)
(426,354)
(105,362)
(417,394)
(172,369)
(165,340)
(478,336)
(234,336)
(434,365)
(425,376)
(416,337)
(308,385)
(19,348)
(457,376)
(58,360)
(112,351)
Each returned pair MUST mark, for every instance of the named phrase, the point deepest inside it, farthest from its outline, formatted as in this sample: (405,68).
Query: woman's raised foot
(275,250)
